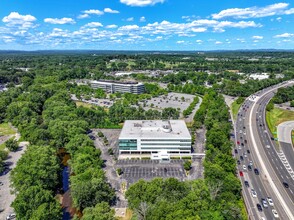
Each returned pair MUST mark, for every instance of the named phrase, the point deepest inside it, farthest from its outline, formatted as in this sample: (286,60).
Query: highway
(251,133)
(285,141)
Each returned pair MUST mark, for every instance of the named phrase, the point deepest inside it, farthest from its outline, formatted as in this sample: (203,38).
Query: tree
(187,165)
(90,188)
(39,166)
(32,200)
(101,211)
(11,144)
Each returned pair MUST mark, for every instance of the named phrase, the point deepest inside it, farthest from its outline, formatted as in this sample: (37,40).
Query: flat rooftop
(155,129)
(109,82)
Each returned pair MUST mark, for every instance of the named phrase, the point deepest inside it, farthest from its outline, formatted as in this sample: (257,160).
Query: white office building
(155,137)
(121,87)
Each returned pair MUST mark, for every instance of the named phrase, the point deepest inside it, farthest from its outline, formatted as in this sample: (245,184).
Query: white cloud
(83,16)
(142,19)
(290,11)
(109,10)
(129,28)
(94,12)
(94,24)
(257,37)
(111,26)
(198,30)
(130,19)
(199,41)
(22,21)
(218,42)
(180,41)
(254,12)
(141,3)
(59,20)
(285,35)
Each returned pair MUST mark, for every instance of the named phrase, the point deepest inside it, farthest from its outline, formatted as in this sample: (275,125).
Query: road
(284,133)
(252,134)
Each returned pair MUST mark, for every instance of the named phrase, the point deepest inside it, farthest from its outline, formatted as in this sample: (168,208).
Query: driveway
(5,194)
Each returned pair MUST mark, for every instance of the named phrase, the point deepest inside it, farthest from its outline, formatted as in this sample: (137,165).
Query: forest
(38,102)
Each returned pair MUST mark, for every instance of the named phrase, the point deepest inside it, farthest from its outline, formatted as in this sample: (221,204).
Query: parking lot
(5,190)
(134,170)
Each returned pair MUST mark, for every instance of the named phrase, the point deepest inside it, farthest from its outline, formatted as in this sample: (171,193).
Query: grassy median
(276,117)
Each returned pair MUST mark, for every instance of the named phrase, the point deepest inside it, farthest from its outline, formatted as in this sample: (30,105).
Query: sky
(146,24)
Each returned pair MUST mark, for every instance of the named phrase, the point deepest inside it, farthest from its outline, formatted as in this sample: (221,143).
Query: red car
(241,173)
(238,142)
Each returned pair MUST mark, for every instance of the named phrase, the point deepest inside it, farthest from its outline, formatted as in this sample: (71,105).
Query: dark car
(256,171)
(245,141)
(249,167)
(259,207)
(242,144)
(272,138)
(238,162)
(92,137)
(286,185)
(246,183)
(248,151)
(236,151)
(241,158)
(243,127)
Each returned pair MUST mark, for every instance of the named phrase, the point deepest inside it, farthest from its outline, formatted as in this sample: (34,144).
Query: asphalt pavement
(252,134)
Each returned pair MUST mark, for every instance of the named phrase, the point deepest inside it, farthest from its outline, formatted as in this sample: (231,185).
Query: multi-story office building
(155,137)
(121,87)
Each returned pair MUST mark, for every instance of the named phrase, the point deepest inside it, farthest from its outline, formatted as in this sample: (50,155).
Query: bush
(119,171)
(187,165)
(100,134)
(11,145)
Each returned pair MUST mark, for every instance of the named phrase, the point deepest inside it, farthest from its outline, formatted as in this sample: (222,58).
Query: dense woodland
(38,102)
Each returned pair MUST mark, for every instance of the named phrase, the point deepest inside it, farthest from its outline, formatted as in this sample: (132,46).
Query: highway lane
(261,182)
(272,154)
(273,173)
(255,182)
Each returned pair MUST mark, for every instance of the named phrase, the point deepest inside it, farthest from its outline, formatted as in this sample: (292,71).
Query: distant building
(259,76)
(155,137)
(121,87)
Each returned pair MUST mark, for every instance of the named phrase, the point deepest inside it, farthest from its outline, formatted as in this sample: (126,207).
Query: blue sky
(146,24)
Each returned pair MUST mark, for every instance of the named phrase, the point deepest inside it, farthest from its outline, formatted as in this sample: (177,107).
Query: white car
(244,133)
(253,193)
(11,216)
(250,163)
(270,201)
(244,167)
(268,146)
(275,213)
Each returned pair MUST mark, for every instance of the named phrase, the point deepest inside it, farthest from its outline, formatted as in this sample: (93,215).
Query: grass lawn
(5,129)
(235,108)
(2,146)
(86,105)
(276,117)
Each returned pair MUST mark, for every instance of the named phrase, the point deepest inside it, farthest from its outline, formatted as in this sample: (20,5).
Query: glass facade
(128,144)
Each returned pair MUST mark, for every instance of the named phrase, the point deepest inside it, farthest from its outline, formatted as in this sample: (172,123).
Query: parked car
(11,216)
(256,171)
